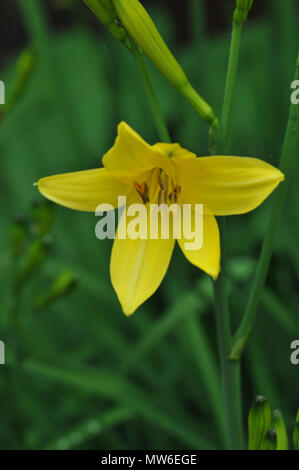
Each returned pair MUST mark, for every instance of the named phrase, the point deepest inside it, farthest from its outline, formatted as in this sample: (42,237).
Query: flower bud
(62,285)
(100,11)
(18,236)
(41,215)
(34,257)
(259,421)
(296,433)
(142,30)
(280,427)
(105,12)
(270,441)
(22,75)
(242,10)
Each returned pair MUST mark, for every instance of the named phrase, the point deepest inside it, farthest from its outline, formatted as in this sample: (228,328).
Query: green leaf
(116,387)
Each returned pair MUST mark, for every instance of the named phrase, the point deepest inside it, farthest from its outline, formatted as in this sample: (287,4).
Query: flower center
(158,188)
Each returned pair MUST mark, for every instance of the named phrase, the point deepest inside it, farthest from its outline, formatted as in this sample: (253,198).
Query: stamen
(161,184)
(162,197)
(173,196)
(137,186)
(142,191)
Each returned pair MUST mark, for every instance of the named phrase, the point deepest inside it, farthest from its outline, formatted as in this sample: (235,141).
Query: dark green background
(78,373)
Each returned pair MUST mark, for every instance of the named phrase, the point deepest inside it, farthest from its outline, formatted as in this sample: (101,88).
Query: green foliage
(82,375)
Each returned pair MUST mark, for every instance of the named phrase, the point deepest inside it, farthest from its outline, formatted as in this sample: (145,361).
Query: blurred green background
(78,373)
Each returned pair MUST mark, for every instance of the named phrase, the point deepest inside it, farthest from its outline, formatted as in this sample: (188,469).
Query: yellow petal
(207,257)
(83,190)
(173,150)
(138,267)
(226,185)
(131,155)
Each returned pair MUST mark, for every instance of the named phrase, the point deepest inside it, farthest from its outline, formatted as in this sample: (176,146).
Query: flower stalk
(154,104)
(240,16)
(288,152)
(230,372)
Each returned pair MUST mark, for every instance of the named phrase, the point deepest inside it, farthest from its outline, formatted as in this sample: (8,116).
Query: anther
(142,191)
(173,196)
(161,184)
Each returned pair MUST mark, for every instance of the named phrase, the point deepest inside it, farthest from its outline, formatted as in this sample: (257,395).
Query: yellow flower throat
(159,188)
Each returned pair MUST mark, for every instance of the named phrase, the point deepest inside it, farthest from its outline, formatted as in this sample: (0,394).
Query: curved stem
(154,104)
(288,152)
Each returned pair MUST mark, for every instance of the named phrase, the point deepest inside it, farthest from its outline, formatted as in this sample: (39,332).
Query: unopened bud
(18,236)
(99,10)
(105,12)
(42,215)
(259,421)
(143,31)
(242,10)
(270,441)
(23,72)
(296,433)
(35,255)
(280,428)
(62,286)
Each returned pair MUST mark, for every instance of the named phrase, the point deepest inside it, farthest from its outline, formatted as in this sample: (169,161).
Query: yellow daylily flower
(146,174)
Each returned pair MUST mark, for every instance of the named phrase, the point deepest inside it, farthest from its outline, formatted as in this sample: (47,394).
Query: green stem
(154,104)
(207,369)
(288,152)
(230,372)
(231,78)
